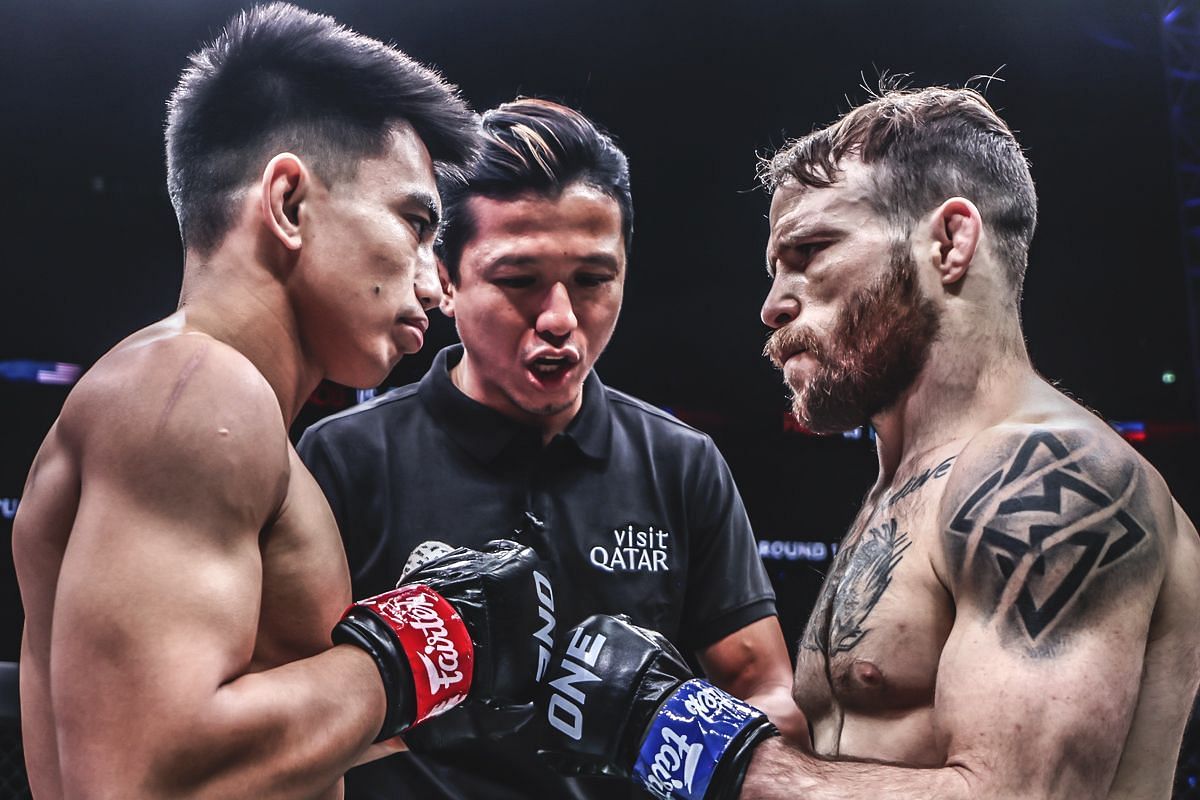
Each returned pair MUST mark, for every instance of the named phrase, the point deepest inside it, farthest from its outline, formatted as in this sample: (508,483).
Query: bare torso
(867,674)
(299,580)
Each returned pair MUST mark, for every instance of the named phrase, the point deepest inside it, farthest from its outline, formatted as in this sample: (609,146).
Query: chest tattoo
(919,480)
(853,589)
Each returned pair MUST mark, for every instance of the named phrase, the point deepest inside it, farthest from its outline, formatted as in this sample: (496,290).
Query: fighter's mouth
(781,358)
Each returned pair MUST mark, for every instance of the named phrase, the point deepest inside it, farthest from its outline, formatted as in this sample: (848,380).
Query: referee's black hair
(532,146)
(280,79)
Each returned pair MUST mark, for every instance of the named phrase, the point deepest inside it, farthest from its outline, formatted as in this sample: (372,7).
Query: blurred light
(792,425)
(1133,431)
(1172,15)
(363,395)
(861,432)
(1168,377)
(8,506)
(57,373)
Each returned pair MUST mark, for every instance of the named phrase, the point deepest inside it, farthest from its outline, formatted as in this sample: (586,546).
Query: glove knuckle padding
(620,700)
(466,621)
(495,592)
(595,724)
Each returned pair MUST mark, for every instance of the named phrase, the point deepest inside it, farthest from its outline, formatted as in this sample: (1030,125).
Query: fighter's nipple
(865,674)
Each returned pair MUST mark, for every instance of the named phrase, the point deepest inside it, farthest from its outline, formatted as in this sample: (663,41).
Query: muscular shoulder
(1046,524)
(180,415)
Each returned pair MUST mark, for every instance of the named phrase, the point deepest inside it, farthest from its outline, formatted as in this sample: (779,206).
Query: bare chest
(306,582)
(872,644)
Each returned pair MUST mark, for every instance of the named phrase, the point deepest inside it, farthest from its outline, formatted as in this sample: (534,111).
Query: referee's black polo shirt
(635,511)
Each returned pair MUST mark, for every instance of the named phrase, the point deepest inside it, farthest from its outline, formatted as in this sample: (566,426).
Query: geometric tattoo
(1047,527)
(854,588)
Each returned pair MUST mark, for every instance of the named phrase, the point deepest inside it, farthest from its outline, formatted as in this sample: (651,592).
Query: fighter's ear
(285,183)
(447,304)
(956,228)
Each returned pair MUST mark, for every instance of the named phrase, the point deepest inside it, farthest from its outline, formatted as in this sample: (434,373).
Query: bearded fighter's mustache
(786,342)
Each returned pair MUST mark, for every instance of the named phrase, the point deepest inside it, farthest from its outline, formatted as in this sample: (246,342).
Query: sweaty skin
(1026,618)
(179,567)
(1013,613)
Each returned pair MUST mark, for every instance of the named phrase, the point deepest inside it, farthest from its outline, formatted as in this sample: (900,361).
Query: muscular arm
(1052,553)
(157,608)
(752,663)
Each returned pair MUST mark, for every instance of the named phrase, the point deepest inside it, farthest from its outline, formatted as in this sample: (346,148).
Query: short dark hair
(282,79)
(927,145)
(532,146)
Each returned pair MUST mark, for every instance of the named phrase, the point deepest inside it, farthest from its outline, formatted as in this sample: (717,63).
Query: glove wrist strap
(435,641)
(691,732)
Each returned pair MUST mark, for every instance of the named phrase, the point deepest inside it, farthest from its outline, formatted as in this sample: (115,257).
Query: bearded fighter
(1013,613)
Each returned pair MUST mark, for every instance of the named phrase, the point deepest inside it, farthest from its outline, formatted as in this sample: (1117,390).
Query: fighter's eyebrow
(797,235)
(428,202)
(802,233)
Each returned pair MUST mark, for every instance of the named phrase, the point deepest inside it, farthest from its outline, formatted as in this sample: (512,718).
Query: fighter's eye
(422,226)
(806,251)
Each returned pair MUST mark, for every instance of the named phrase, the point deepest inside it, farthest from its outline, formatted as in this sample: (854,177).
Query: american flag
(58,373)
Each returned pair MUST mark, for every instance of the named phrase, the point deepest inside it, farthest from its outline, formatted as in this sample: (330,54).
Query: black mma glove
(458,732)
(620,700)
(465,624)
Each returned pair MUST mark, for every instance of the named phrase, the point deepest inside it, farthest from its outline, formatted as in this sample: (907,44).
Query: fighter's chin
(368,375)
(827,420)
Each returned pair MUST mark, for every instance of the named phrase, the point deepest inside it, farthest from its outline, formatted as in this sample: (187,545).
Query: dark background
(694,92)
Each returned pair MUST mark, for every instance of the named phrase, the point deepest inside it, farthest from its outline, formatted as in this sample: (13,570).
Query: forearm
(780,771)
(287,732)
(777,703)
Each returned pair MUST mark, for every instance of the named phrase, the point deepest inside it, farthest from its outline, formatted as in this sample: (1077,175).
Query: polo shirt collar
(485,432)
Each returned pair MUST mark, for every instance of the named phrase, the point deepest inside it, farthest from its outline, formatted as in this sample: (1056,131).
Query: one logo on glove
(565,712)
(434,638)
(545,634)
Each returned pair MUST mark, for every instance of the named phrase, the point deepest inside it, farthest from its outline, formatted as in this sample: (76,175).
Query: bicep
(158,594)
(138,582)
(1048,725)
(1051,556)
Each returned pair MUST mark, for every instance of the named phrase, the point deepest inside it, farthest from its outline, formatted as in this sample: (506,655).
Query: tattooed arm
(1052,555)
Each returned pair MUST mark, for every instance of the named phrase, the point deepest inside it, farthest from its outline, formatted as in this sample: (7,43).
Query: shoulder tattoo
(1054,529)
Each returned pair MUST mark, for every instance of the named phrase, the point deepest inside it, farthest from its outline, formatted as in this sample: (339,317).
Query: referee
(511,433)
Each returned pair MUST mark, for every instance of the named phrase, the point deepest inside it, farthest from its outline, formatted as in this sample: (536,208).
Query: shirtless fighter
(180,570)
(1013,614)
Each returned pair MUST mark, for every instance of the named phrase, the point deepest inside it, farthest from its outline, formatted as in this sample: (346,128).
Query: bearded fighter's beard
(875,351)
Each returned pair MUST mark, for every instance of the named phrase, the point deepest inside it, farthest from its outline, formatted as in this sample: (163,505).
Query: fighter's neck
(966,385)
(245,307)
